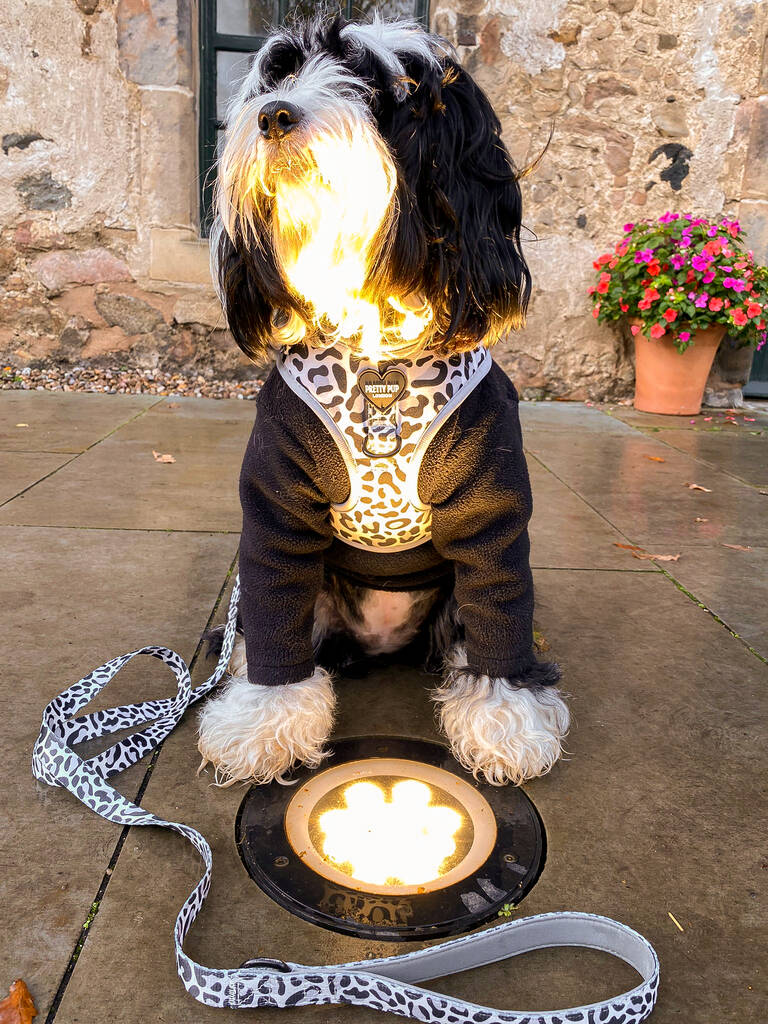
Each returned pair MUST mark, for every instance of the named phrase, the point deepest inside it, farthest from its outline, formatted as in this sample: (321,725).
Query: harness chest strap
(382,419)
(387,984)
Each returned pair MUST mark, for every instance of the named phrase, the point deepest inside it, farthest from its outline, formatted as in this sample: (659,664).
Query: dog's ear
(241,275)
(469,197)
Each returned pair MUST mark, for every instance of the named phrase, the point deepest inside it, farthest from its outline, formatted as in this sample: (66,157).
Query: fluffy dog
(367,239)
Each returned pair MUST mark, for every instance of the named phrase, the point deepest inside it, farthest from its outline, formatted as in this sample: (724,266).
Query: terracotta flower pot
(669,382)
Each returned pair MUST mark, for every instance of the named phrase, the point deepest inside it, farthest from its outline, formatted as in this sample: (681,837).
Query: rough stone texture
(57,269)
(654,107)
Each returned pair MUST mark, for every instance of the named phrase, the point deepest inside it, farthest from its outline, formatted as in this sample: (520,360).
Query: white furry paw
(258,733)
(496,730)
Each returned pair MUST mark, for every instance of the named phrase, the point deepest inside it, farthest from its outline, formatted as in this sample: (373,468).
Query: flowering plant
(681,274)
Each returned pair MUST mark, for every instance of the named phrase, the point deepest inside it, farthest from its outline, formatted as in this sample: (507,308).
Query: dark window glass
(231,31)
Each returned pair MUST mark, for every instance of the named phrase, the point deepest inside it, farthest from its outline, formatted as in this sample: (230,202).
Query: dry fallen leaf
(698,487)
(700,519)
(18,1007)
(655,458)
(737,547)
(162,458)
(540,641)
(641,553)
(656,558)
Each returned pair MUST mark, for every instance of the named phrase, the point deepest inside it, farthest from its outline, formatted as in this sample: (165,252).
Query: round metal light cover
(497,843)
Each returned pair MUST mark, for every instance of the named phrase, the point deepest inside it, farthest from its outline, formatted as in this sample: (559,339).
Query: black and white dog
(368,240)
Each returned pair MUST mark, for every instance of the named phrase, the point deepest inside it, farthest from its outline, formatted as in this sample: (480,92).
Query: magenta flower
(712,231)
(701,300)
(708,277)
(644,256)
(684,335)
(691,296)
(668,217)
(700,261)
(735,283)
(628,228)
(677,261)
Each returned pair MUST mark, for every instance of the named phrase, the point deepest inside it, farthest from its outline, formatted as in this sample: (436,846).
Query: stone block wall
(653,106)
(100,256)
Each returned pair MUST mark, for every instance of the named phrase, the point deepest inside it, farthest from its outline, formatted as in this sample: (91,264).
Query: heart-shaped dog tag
(382,391)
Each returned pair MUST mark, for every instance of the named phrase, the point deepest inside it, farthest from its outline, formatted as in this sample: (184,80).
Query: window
(232,30)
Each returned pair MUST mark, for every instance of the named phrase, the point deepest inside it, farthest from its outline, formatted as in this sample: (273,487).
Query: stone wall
(100,259)
(653,105)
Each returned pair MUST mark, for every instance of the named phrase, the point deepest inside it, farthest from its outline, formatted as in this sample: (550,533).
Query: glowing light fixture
(405,840)
(391,840)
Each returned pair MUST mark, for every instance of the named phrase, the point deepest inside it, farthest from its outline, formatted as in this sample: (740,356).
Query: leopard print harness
(388,984)
(382,418)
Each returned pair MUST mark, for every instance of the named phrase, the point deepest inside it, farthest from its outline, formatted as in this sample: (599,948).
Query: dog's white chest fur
(382,419)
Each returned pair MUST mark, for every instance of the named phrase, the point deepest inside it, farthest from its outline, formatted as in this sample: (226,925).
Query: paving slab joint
(101,891)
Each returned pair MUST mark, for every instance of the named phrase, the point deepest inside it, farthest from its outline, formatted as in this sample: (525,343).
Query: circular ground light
(391,840)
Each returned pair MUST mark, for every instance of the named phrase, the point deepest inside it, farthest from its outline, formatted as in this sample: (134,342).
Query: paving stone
(657,811)
(19,470)
(733,584)
(127,489)
(567,533)
(734,450)
(537,416)
(649,501)
(63,422)
(72,599)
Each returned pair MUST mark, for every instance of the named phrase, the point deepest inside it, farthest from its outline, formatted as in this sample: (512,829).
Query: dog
(367,240)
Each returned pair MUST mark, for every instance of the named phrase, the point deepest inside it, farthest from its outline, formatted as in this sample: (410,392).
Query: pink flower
(712,231)
(635,328)
(701,300)
(668,217)
(736,283)
(658,331)
(677,261)
(715,305)
(739,316)
(708,277)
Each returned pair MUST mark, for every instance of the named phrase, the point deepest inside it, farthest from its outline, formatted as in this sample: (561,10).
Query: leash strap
(388,984)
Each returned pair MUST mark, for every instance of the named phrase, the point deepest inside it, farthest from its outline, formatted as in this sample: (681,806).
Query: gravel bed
(123,382)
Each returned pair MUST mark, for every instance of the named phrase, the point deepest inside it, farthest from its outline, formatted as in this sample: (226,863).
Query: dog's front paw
(499,731)
(258,733)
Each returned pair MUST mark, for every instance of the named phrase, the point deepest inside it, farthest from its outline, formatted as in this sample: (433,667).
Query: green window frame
(212,44)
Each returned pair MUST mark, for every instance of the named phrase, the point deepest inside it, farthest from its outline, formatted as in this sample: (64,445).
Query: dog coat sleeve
(481,505)
(285,534)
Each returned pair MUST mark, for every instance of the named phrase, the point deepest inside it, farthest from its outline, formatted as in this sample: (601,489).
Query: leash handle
(387,984)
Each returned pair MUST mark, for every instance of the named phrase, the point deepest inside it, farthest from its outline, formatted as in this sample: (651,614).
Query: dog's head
(364,194)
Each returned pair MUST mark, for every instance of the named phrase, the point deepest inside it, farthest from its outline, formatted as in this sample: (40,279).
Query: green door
(757,386)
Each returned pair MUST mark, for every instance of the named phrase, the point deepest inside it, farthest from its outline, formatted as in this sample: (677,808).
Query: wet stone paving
(650,554)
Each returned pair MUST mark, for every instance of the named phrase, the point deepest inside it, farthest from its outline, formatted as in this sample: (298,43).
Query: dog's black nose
(278,118)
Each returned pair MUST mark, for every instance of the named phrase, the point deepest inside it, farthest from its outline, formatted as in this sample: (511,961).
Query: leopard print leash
(387,984)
